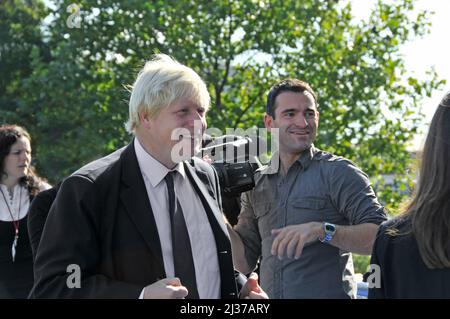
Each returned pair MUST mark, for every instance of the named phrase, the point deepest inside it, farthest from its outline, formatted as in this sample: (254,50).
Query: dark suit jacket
(103,222)
(37,215)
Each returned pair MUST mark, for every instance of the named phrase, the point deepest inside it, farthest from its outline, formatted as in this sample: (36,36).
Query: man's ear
(268,121)
(144,120)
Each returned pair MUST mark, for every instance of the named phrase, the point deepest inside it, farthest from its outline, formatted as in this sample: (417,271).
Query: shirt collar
(306,157)
(304,160)
(16,189)
(151,168)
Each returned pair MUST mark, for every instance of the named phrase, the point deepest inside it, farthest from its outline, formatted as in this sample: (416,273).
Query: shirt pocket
(309,203)
(306,210)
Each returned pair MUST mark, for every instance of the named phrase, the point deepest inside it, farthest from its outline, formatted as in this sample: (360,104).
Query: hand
(252,290)
(207,159)
(167,288)
(290,240)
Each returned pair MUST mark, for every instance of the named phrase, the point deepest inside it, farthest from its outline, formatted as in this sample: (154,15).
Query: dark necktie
(181,245)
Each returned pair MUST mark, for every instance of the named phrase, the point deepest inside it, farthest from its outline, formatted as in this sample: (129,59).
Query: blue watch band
(329,230)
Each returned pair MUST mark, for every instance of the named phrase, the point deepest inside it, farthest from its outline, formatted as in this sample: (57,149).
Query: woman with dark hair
(412,251)
(18,185)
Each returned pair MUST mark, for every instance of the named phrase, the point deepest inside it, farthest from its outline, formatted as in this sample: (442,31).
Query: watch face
(329,227)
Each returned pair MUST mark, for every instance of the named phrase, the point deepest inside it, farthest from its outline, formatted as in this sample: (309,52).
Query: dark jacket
(37,215)
(400,271)
(102,221)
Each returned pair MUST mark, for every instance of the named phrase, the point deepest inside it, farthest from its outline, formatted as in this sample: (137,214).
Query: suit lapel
(228,285)
(135,200)
(201,184)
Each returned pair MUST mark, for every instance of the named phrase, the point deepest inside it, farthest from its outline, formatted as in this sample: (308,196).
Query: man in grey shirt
(308,211)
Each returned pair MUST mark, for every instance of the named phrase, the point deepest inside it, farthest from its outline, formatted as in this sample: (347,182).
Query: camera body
(235,178)
(235,160)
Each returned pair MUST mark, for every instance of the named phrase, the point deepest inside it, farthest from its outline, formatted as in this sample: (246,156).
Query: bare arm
(290,240)
(238,251)
(357,239)
(245,238)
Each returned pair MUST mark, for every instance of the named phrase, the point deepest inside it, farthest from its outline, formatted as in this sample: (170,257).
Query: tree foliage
(20,38)
(68,89)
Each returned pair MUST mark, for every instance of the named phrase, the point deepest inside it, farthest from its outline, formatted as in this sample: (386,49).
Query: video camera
(235,159)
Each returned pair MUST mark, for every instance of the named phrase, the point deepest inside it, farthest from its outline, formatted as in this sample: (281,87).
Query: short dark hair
(287,85)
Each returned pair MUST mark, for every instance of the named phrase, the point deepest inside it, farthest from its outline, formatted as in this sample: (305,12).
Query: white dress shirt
(204,251)
(18,203)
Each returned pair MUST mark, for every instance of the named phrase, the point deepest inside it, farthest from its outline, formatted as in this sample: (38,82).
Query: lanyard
(16,223)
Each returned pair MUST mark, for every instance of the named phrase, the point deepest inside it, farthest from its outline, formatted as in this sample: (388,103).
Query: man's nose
(197,121)
(301,121)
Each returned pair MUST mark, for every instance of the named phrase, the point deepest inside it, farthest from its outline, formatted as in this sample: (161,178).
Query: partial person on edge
(411,254)
(19,184)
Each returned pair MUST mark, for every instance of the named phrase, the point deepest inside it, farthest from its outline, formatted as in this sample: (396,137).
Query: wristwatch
(329,230)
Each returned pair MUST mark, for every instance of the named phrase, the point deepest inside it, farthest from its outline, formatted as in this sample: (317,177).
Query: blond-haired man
(118,218)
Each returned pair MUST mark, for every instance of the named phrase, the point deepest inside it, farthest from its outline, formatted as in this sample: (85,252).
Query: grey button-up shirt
(318,187)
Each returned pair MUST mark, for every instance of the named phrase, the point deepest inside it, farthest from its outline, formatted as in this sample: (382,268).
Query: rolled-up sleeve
(353,195)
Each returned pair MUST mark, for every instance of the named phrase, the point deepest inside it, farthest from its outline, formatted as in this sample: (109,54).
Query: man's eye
(310,114)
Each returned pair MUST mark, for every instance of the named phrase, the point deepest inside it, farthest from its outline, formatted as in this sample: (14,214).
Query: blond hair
(161,82)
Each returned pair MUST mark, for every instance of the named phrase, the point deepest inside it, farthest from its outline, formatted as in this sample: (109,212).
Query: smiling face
(297,119)
(179,126)
(17,162)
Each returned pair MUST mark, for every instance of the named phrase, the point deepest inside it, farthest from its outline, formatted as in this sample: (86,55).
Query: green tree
(20,39)
(369,106)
